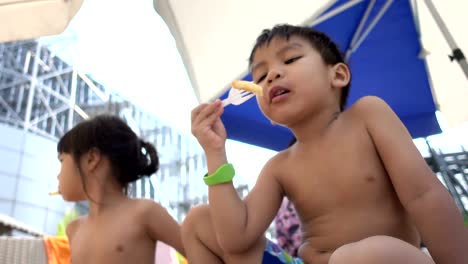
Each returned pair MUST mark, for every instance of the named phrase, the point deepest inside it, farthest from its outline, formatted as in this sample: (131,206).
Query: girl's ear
(341,76)
(92,159)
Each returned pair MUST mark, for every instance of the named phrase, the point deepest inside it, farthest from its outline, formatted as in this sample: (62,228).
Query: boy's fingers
(206,118)
(204,112)
(196,111)
(211,119)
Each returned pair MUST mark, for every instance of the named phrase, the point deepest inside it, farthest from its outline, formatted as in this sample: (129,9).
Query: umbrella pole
(457,52)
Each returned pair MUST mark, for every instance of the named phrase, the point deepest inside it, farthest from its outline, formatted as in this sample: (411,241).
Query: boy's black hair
(320,41)
(131,158)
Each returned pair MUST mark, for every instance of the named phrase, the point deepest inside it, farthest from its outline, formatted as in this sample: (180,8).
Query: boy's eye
(289,61)
(261,78)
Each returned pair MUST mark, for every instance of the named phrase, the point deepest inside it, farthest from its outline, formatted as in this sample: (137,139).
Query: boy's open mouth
(277,91)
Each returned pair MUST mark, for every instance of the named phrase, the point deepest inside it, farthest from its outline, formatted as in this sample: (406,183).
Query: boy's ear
(341,75)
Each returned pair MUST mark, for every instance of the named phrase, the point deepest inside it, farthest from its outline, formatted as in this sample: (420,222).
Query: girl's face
(70,180)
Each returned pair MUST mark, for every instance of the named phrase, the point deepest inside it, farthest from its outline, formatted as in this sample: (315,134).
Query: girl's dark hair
(131,158)
(320,41)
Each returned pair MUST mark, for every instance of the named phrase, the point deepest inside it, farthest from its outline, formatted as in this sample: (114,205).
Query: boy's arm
(160,225)
(424,197)
(238,223)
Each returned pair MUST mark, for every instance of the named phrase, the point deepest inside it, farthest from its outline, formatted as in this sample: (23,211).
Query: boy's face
(294,77)
(70,182)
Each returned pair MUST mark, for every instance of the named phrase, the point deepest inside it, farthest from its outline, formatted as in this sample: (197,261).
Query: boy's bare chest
(346,173)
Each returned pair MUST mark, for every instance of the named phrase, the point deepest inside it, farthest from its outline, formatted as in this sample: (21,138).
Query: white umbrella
(215,39)
(27,19)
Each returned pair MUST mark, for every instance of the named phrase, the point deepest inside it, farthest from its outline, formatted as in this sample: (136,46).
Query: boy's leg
(201,245)
(199,237)
(379,249)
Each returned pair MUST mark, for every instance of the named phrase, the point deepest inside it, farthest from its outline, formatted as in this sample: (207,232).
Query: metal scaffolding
(42,94)
(452,170)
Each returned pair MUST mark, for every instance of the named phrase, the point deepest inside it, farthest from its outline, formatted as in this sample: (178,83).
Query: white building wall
(28,171)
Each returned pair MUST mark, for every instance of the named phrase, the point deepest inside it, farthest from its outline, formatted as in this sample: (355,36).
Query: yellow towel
(180,258)
(57,249)
(167,255)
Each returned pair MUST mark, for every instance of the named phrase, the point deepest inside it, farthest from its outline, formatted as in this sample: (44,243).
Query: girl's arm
(161,226)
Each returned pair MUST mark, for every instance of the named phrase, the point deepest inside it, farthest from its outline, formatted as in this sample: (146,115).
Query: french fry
(248,86)
(54,193)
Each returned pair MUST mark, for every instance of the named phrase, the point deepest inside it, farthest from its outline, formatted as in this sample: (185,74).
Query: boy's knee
(196,216)
(366,250)
(343,254)
(375,249)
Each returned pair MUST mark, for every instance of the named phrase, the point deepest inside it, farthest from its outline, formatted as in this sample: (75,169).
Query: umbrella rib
(372,24)
(356,35)
(335,12)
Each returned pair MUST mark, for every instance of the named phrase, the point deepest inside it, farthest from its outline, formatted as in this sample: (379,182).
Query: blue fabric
(386,65)
(273,254)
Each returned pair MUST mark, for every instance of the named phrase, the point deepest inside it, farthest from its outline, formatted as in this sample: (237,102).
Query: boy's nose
(273,75)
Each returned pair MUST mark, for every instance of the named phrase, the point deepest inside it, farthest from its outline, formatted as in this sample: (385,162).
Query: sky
(129,48)
(125,45)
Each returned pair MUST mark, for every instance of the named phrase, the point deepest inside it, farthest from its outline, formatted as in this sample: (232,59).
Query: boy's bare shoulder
(368,106)
(277,161)
(275,167)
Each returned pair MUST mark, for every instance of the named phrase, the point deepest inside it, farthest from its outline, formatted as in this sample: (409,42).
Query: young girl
(99,158)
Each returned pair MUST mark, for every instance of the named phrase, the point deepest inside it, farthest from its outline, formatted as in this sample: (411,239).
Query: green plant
(70,215)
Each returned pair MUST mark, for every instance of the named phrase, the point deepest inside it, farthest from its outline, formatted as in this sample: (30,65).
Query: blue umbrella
(381,41)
